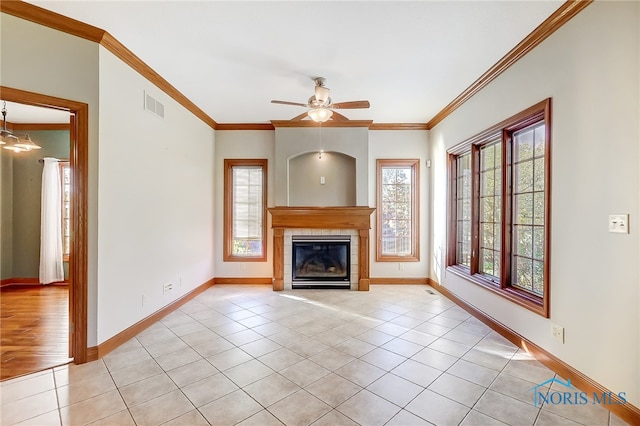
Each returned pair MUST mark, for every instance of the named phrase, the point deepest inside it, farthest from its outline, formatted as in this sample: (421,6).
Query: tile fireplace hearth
(308,223)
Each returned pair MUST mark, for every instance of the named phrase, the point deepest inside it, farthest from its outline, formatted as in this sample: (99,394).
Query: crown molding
(38,15)
(560,17)
(245,126)
(350,123)
(399,126)
(272,126)
(77,28)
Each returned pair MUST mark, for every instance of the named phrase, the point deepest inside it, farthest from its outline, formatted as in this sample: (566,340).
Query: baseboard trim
(406,281)
(244,281)
(626,411)
(92,353)
(129,333)
(27,281)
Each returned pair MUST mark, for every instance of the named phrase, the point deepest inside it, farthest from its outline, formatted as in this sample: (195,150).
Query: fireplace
(321,261)
(349,222)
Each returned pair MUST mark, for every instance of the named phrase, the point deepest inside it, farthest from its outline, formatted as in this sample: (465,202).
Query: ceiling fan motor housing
(322,95)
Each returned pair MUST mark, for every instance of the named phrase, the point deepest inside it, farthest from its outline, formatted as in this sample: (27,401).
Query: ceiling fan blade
(351,105)
(289,103)
(300,117)
(339,117)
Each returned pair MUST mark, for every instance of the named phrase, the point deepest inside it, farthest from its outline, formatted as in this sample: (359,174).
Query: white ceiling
(20,113)
(231,58)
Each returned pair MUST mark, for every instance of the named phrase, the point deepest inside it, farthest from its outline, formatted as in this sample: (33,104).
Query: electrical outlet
(619,223)
(167,288)
(557,332)
(401,266)
(144,299)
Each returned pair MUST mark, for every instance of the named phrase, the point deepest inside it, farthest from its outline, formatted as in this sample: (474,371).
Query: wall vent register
(153,105)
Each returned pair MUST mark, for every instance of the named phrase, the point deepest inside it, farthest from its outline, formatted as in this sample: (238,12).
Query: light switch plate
(619,223)
(557,332)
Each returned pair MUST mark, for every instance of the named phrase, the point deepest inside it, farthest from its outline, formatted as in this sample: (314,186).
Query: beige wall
(242,144)
(590,68)
(150,214)
(71,66)
(404,144)
(290,142)
(322,180)
(156,200)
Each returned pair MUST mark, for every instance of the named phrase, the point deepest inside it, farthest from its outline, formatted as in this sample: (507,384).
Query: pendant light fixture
(12,141)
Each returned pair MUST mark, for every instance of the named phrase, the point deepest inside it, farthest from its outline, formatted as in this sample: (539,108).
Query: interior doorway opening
(78,201)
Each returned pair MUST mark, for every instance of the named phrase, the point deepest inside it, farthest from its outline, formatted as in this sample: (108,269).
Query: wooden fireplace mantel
(321,218)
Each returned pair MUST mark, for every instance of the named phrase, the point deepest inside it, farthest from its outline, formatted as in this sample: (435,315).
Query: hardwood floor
(34,328)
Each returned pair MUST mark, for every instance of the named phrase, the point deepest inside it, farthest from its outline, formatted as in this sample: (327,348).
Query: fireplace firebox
(321,261)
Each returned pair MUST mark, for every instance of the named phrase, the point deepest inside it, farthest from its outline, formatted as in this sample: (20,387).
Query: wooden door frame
(78,259)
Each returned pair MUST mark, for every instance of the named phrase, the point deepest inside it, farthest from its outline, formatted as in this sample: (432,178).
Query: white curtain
(51,268)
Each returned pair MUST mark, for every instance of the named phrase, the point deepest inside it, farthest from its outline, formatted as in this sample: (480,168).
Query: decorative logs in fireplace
(321,261)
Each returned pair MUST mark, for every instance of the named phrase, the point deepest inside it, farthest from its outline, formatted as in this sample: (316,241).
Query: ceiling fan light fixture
(320,115)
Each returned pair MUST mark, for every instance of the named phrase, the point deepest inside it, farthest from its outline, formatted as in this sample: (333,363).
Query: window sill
(244,259)
(519,297)
(408,258)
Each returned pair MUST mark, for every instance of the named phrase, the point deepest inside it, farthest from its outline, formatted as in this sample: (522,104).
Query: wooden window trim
(415,209)
(505,129)
(61,165)
(229,164)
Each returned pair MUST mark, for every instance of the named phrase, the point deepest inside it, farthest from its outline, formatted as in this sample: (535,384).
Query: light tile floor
(396,355)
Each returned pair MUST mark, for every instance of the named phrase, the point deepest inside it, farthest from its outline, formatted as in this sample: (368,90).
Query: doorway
(78,258)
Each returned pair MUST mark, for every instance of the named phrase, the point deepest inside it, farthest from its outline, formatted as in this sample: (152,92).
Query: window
(463,206)
(499,208)
(245,197)
(397,216)
(65,185)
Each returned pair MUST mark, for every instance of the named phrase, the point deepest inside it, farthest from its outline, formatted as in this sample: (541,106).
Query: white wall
(242,144)
(45,61)
(590,68)
(405,144)
(156,203)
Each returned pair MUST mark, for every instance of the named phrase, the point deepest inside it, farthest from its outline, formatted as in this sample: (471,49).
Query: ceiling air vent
(153,105)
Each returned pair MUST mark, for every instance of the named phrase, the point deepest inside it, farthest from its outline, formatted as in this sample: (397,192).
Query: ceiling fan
(321,107)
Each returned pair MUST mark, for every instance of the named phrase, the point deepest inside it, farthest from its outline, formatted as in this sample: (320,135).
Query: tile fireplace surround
(354,221)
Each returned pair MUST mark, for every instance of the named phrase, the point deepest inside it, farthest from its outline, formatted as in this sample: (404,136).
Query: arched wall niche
(324,179)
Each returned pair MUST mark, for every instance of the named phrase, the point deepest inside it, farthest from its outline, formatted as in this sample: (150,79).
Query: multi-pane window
(245,210)
(529,207)
(498,223)
(65,185)
(490,206)
(397,203)
(463,207)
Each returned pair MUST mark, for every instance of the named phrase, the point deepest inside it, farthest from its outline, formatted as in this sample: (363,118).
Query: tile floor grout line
(363,321)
